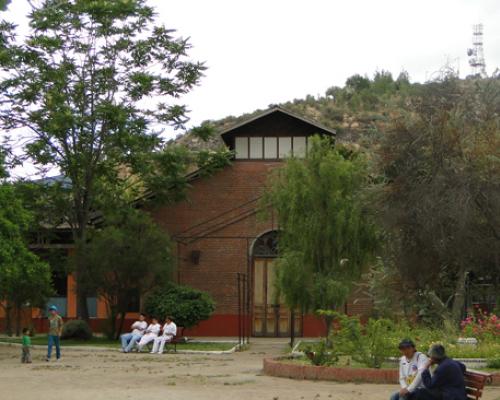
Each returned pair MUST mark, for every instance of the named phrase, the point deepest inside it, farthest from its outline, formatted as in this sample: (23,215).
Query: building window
(299,146)
(241,147)
(285,147)
(270,147)
(256,147)
(134,297)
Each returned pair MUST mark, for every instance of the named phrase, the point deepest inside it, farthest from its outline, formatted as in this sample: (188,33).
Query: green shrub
(76,329)
(494,363)
(322,354)
(188,306)
(371,344)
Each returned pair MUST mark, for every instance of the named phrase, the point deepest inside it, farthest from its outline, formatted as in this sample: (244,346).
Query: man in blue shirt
(447,382)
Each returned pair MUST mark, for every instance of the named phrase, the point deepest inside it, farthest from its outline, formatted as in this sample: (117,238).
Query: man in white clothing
(411,365)
(169,332)
(152,332)
(130,339)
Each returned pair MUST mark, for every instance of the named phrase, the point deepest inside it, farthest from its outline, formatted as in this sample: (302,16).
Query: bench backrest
(474,384)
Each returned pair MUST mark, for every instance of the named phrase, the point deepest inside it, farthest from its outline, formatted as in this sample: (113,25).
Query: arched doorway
(270,317)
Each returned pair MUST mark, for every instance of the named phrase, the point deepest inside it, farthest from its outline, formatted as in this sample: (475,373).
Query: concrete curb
(115,349)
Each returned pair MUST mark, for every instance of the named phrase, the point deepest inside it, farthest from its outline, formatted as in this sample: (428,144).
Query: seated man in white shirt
(130,339)
(411,365)
(151,333)
(169,332)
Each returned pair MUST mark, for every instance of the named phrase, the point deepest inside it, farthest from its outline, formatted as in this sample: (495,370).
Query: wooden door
(270,316)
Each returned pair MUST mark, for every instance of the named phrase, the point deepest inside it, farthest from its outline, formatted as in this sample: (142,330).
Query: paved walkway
(112,375)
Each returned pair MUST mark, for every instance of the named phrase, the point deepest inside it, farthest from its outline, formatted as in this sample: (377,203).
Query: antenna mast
(476,53)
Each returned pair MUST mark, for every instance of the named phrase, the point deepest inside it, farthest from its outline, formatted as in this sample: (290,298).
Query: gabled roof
(276,110)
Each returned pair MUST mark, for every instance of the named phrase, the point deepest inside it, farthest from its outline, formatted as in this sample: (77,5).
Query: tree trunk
(8,319)
(459,299)
(82,310)
(328,323)
(120,325)
(18,320)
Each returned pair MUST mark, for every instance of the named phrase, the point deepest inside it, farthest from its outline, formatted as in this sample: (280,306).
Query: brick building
(218,232)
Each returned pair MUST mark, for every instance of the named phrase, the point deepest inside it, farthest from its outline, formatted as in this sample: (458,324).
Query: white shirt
(410,371)
(138,327)
(170,329)
(153,329)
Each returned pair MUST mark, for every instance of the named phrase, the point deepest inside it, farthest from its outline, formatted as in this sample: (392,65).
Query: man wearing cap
(55,330)
(411,365)
(447,382)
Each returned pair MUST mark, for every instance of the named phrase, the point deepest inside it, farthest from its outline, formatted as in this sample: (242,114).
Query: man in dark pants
(447,382)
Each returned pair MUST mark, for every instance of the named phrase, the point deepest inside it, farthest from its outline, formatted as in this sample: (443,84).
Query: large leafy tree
(24,278)
(130,253)
(440,203)
(88,90)
(326,237)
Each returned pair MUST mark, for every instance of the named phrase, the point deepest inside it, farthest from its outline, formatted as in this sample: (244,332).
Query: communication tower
(476,53)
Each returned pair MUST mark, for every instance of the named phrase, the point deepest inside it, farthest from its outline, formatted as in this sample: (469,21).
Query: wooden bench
(175,340)
(474,383)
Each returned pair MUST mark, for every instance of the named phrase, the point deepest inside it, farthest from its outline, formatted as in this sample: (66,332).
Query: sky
(266,52)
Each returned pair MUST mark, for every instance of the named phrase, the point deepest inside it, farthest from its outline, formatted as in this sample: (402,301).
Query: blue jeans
(128,341)
(396,396)
(54,340)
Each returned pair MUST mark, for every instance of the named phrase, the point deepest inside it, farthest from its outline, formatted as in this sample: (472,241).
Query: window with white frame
(241,147)
(269,147)
(256,148)
(284,147)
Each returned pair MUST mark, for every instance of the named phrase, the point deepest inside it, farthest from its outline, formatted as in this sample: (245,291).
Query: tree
(88,87)
(4,4)
(188,306)
(440,203)
(130,254)
(326,236)
(24,279)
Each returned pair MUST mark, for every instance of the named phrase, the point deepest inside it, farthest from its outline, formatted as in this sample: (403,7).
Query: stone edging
(277,367)
(114,349)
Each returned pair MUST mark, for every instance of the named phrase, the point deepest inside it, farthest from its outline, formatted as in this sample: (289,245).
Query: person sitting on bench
(169,332)
(151,333)
(130,339)
(411,365)
(447,382)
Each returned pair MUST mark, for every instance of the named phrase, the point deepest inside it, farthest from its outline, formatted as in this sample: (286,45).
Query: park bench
(474,384)
(173,343)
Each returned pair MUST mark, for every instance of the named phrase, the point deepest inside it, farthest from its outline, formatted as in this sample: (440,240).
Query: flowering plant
(481,325)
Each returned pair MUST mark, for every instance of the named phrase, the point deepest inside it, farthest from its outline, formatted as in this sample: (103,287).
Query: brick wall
(220,220)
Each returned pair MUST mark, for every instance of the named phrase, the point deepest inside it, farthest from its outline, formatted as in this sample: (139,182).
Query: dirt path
(111,375)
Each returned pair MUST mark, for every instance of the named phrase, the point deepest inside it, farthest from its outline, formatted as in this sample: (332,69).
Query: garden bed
(286,367)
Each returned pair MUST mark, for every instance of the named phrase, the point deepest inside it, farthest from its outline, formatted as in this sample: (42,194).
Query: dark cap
(405,343)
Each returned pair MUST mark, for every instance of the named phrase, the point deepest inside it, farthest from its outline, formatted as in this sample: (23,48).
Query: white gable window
(285,147)
(271,148)
(241,147)
(256,147)
(299,146)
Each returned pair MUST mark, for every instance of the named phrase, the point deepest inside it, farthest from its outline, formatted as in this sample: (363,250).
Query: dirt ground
(109,375)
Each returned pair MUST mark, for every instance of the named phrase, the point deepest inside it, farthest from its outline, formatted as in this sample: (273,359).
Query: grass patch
(104,342)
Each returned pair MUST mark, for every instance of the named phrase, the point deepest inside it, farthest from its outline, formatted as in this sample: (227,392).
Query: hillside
(360,111)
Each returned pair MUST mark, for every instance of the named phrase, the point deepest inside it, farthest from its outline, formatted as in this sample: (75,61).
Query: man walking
(55,330)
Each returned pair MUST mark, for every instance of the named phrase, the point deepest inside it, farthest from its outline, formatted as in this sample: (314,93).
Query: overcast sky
(263,52)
